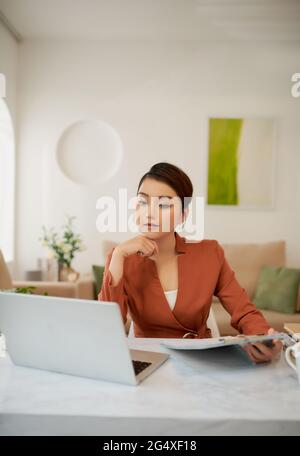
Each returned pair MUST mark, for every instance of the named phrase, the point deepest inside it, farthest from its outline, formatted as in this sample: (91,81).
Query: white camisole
(171,296)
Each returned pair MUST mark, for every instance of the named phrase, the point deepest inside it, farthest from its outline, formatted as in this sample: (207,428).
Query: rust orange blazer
(203,271)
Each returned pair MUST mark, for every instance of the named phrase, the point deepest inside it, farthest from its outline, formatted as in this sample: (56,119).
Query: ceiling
(155,20)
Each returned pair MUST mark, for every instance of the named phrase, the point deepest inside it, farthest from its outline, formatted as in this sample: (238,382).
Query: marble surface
(187,395)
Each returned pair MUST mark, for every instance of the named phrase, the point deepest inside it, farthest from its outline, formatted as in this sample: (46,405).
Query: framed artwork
(241,163)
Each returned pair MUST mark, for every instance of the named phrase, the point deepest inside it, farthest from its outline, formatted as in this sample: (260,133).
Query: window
(7,182)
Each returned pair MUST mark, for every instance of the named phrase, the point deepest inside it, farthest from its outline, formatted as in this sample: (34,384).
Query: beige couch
(247,260)
(83,288)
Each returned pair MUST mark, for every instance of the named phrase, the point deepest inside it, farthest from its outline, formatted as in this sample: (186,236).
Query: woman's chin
(152,234)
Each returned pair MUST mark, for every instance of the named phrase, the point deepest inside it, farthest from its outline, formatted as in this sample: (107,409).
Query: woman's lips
(150,225)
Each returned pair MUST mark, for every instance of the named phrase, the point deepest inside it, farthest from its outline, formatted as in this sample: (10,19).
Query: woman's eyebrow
(160,196)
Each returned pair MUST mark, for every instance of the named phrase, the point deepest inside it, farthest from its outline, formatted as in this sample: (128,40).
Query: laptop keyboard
(139,366)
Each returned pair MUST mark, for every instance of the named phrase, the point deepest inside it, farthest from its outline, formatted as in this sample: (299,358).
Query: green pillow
(98,272)
(277,289)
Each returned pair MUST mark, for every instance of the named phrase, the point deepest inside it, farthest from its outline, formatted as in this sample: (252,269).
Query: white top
(171,296)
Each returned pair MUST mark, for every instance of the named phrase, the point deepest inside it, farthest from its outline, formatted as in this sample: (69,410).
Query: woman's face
(158,208)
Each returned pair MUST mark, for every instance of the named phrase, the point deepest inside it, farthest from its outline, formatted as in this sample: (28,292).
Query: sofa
(246,260)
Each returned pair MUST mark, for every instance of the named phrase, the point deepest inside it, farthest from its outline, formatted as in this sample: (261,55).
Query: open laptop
(72,336)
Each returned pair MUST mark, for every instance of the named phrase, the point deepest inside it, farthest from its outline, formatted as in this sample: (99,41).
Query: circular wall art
(89,152)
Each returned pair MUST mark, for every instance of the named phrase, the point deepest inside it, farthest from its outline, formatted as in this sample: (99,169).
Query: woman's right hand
(139,244)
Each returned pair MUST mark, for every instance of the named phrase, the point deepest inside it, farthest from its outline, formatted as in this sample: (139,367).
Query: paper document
(213,342)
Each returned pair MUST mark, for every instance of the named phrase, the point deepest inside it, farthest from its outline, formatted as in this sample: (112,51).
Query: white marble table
(183,397)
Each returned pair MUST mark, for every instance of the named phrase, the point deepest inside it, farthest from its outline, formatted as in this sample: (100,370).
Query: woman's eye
(142,202)
(164,206)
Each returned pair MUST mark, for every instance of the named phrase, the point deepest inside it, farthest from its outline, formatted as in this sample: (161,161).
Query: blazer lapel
(183,282)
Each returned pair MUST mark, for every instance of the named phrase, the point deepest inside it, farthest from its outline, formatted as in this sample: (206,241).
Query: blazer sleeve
(245,317)
(114,293)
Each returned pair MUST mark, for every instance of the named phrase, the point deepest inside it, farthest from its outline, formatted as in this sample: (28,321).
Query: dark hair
(175,178)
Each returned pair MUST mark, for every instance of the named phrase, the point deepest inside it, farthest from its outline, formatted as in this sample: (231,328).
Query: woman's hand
(139,244)
(260,353)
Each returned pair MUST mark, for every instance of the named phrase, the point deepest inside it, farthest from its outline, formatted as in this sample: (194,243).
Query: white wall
(158,97)
(9,67)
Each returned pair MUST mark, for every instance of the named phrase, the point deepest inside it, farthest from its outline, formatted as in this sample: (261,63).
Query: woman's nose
(153,207)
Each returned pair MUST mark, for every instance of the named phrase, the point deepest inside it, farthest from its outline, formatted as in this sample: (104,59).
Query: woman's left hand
(260,353)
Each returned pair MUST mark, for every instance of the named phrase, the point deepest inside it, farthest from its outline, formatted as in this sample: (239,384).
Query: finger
(278,346)
(257,355)
(267,351)
(145,249)
(257,360)
(249,354)
(276,342)
(152,245)
(277,352)
(147,242)
(151,241)
(148,251)
(145,246)
(155,247)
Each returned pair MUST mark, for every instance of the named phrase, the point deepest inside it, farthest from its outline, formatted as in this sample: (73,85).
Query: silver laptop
(72,336)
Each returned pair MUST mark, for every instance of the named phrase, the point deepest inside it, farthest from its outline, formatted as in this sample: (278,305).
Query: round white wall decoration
(89,152)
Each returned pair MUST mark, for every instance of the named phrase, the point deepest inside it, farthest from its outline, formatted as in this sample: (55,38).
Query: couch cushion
(247,260)
(98,272)
(277,289)
(5,279)
(298,300)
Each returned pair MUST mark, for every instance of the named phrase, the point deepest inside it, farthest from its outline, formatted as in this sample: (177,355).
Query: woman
(168,283)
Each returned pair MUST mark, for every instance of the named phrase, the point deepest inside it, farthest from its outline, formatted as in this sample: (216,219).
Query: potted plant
(64,248)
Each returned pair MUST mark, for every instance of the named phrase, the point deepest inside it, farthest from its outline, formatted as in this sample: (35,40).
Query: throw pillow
(98,272)
(277,289)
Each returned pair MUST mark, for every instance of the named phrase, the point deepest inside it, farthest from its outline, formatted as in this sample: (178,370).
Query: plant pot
(67,273)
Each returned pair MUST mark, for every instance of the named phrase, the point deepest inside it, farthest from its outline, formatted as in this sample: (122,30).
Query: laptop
(72,336)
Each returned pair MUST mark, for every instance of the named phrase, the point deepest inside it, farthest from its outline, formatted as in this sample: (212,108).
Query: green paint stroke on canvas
(224,137)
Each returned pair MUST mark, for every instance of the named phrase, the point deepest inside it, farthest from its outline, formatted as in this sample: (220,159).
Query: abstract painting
(241,162)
